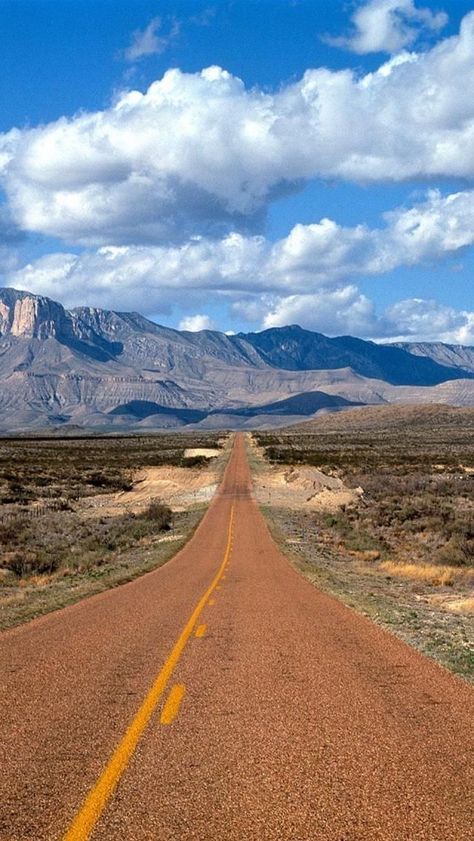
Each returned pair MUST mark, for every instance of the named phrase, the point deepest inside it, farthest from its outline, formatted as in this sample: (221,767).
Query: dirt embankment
(179,487)
(203,452)
(299,487)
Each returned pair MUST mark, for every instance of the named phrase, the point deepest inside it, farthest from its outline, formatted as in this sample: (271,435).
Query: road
(223,697)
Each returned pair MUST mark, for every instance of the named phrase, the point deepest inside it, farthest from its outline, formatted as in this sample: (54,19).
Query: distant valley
(100,370)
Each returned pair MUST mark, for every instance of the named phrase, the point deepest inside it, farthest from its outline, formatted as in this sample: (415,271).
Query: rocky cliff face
(31,316)
(98,368)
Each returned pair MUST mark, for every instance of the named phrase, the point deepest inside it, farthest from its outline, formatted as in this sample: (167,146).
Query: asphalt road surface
(223,697)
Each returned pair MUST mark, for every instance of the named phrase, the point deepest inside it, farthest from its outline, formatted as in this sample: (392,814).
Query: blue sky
(299,183)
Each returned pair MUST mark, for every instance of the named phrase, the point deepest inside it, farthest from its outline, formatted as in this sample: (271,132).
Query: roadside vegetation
(56,544)
(403,552)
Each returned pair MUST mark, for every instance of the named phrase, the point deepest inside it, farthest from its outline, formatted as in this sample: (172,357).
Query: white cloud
(440,226)
(311,257)
(145,278)
(302,278)
(320,256)
(346,311)
(195,323)
(415,319)
(201,154)
(389,26)
(341,310)
(150,40)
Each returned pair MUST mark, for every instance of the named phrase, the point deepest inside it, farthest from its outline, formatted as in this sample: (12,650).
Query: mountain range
(105,370)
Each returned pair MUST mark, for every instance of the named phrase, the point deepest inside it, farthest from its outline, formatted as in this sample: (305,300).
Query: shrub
(23,564)
(13,532)
(109,481)
(456,552)
(195,461)
(160,514)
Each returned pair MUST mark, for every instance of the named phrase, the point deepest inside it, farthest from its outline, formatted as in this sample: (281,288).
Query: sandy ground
(178,487)
(300,487)
(207,452)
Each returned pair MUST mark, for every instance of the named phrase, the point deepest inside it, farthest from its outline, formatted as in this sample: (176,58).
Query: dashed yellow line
(97,799)
(211,602)
(173,703)
(200,631)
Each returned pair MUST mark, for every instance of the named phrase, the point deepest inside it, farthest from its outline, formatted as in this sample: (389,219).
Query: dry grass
(444,576)
(463,606)
(42,547)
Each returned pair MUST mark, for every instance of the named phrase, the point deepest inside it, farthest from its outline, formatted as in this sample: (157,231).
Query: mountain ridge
(79,366)
(445,354)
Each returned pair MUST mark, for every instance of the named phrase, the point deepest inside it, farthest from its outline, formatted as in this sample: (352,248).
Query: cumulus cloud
(342,310)
(322,255)
(151,40)
(389,26)
(429,320)
(346,311)
(306,277)
(195,323)
(146,278)
(201,154)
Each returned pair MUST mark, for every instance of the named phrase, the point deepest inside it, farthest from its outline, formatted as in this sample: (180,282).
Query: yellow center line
(173,702)
(200,630)
(211,602)
(98,797)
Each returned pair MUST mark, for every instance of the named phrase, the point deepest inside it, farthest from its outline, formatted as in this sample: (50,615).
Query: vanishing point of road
(224,698)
